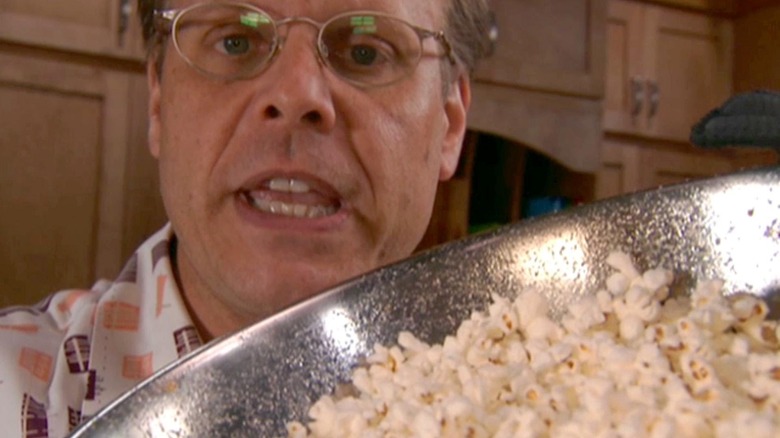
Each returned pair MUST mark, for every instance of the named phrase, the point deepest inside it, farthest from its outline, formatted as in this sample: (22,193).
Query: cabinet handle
(655,98)
(492,35)
(637,96)
(125,10)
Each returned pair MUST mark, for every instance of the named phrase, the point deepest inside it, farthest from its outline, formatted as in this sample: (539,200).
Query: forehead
(419,12)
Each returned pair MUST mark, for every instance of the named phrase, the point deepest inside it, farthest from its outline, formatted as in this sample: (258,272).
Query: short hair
(468,25)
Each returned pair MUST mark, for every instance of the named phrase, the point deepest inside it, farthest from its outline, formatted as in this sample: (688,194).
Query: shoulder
(28,332)
(45,349)
(33,345)
(50,318)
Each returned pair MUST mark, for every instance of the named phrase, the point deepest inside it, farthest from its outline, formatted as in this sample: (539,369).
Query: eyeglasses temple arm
(442,39)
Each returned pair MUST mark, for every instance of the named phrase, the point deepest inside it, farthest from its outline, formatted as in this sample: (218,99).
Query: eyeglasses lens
(370,49)
(225,41)
(234,41)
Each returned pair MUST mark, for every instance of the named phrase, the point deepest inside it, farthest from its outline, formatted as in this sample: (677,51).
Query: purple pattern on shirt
(91,385)
(74,418)
(186,339)
(34,421)
(160,251)
(77,354)
(129,272)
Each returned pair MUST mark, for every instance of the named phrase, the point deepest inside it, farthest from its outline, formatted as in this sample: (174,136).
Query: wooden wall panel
(757,50)
(50,150)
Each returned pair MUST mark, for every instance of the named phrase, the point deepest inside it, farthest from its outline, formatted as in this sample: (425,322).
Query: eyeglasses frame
(166,20)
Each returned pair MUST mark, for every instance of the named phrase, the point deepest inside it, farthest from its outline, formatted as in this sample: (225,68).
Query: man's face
(290,182)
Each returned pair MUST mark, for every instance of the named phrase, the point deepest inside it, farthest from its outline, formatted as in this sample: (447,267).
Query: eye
(364,55)
(235,45)
(370,49)
(236,40)
(360,52)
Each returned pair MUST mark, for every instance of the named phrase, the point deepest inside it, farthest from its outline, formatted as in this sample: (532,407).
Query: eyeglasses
(230,40)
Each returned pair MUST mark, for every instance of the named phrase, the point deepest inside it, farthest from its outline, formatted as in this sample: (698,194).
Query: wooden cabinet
(100,27)
(78,187)
(666,69)
(757,58)
(630,166)
(546,74)
(541,89)
(721,7)
(548,45)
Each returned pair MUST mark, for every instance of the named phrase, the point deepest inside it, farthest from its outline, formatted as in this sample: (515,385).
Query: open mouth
(293,198)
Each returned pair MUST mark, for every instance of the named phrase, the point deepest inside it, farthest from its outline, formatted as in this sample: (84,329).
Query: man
(299,144)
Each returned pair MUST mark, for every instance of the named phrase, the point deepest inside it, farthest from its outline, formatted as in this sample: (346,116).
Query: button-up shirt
(67,357)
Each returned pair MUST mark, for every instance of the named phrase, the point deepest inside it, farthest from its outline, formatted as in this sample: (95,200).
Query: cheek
(410,162)
(192,133)
(184,164)
(419,126)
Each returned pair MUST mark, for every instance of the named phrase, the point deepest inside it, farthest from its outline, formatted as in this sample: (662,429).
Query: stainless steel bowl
(253,382)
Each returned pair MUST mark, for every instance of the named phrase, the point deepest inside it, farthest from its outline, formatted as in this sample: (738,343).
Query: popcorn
(618,283)
(584,314)
(622,263)
(749,309)
(631,327)
(627,360)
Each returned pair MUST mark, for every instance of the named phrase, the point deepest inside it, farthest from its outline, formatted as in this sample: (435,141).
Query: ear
(153,82)
(456,107)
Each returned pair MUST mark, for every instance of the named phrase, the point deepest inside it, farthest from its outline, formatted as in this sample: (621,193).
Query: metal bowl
(253,382)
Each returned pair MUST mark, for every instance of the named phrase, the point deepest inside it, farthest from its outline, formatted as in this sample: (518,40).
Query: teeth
(297,186)
(300,210)
(288,185)
(292,210)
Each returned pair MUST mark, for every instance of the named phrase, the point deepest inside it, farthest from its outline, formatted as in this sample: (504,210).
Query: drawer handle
(125,10)
(637,96)
(655,98)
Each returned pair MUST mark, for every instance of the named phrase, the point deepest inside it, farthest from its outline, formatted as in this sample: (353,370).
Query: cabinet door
(689,67)
(723,7)
(106,27)
(629,167)
(64,145)
(619,171)
(548,45)
(665,69)
(624,95)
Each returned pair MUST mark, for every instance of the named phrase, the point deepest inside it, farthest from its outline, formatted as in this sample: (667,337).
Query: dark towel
(747,119)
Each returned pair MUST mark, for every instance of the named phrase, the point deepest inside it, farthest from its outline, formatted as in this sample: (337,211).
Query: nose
(294,89)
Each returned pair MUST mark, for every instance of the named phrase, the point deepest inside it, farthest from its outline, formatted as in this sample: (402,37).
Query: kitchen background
(582,100)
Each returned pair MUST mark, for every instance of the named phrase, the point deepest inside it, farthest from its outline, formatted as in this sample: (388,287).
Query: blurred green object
(480,228)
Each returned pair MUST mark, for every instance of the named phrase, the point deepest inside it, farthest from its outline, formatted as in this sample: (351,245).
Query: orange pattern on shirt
(137,367)
(37,363)
(161,281)
(121,316)
(23,328)
(65,305)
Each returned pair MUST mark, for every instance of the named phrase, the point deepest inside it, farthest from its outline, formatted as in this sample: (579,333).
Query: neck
(212,318)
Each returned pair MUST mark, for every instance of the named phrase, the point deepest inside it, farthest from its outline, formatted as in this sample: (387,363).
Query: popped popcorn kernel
(627,360)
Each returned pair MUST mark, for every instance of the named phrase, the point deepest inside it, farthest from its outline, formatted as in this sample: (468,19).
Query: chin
(288,284)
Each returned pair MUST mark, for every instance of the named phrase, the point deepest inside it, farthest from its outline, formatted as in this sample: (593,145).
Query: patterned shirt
(67,357)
